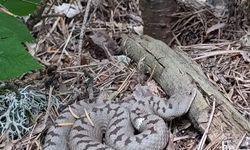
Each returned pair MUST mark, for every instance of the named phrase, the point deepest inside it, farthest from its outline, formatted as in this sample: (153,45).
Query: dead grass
(216,47)
(214,43)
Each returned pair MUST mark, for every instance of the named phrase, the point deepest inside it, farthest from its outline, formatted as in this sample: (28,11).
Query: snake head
(177,105)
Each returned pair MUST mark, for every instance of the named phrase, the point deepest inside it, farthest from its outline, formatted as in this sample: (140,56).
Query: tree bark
(174,69)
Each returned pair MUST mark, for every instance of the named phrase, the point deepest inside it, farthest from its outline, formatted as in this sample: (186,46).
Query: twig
(88,117)
(72,72)
(65,45)
(123,85)
(28,147)
(214,53)
(125,81)
(175,37)
(183,138)
(85,66)
(73,113)
(108,54)
(220,137)
(83,30)
(2,9)
(49,104)
(38,144)
(51,30)
(152,73)
(238,145)
(204,137)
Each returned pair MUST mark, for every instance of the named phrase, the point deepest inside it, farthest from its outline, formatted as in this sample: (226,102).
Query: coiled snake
(113,124)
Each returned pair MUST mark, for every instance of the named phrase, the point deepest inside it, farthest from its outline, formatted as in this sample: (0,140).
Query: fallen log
(174,69)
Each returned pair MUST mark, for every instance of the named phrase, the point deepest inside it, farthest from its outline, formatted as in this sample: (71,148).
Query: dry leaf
(246,55)
(245,40)
(138,29)
(8,146)
(170,145)
(123,59)
(246,142)
(103,44)
(153,87)
(31,47)
(215,27)
(70,10)
(5,144)
(230,93)
(135,18)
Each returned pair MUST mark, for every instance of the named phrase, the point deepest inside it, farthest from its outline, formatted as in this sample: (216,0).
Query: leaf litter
(82,59)
(220,46)
(80,67)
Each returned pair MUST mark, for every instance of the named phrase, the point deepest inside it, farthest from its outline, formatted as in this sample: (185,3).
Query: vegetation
(14,59)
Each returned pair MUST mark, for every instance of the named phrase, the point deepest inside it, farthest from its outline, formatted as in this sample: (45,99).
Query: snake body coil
(114,123)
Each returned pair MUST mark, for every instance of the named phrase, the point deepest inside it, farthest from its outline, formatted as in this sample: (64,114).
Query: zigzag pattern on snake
(115,123)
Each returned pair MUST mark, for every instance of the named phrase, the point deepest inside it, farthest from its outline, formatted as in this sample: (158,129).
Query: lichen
(17,109)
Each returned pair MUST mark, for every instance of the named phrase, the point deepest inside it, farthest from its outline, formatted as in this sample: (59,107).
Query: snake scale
(113,125)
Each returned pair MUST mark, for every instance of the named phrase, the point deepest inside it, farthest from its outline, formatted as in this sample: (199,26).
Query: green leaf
(14,59)
(15,27)
(20,7)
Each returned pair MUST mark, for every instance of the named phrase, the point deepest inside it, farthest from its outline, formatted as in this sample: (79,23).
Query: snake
(134,123)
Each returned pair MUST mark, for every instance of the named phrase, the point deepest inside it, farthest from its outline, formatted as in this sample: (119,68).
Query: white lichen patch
(17,109)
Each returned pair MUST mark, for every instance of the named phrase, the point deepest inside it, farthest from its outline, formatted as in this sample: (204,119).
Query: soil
(158,19)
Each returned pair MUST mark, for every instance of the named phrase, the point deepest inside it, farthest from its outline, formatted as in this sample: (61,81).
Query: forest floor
(78,65)
(218,44)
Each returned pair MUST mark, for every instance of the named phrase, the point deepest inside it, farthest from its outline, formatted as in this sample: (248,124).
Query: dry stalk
(83,28)
(204,137)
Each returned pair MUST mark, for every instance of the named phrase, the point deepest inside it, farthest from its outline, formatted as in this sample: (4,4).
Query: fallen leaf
(123,59)
(70,10)
(103,44)
(138,29)
(215,27)
(246,55)
(152,85)
(135,18)
(245,40)
(5,144)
